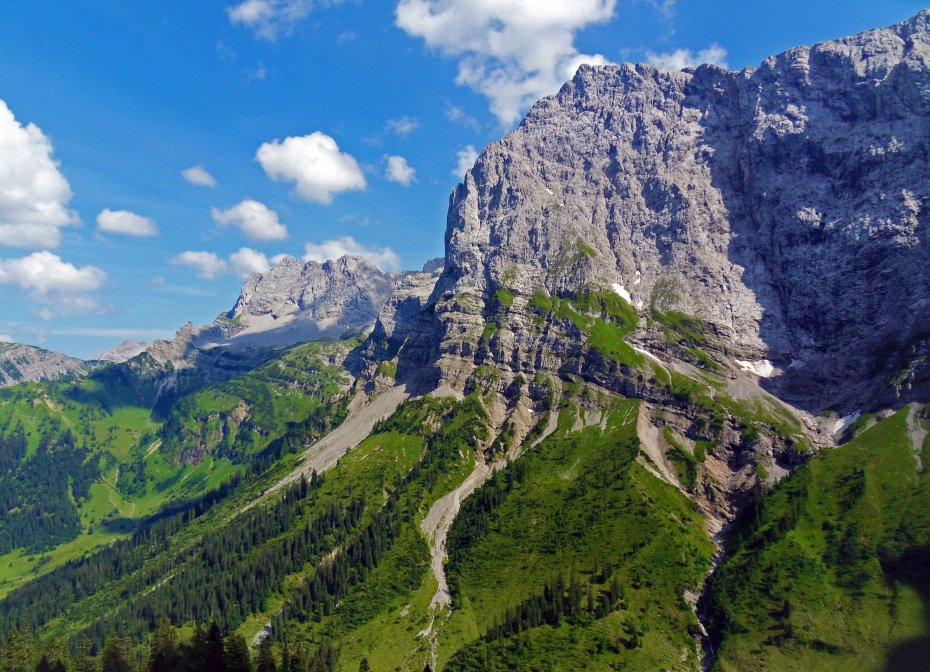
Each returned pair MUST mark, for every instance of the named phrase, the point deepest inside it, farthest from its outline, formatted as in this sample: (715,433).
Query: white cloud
(385,258)
(403,126)
(254,219)
(4,338)
(314,163)
(198,176)
(466,159)
(126,223)
(60,285)
(247,261)
(207,264)
(34,195)
(70,304)
(269,18)
(398,170)
(512,51)
(458,115)
(685,58)
(43,273)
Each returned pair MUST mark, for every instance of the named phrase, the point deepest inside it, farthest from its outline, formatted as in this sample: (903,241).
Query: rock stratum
(785,205)
(27,364)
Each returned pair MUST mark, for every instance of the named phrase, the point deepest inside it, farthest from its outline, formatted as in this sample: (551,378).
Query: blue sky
(319,127)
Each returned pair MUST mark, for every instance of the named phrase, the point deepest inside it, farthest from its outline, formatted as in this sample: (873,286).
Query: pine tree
(19,653)
(296,663)
(115,656)
(197,650)
(215,660)
(266,661)
(363,666)
(163,653)
(237,654)
(83,661)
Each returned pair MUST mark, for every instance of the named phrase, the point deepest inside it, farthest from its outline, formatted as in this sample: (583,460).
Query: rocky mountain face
(786,206)
(122,352)
(330,297)
(26,364)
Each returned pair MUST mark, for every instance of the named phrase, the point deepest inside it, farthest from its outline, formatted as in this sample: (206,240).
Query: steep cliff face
(786,206)
(298,301)
(26,364)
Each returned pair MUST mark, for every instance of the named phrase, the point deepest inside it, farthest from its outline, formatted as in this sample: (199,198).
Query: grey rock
(122,352)
(786,204)
(27,364)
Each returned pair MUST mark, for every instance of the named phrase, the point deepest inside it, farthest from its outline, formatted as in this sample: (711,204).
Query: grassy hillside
(831,571)
(575,557)
(86,461)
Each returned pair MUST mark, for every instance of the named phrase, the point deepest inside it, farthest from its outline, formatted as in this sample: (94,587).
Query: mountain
(25,363)
(784,205)
(663,405)
(121,352)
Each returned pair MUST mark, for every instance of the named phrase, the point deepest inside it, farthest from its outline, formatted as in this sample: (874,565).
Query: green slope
(831,571)
(84,462)
(579,519)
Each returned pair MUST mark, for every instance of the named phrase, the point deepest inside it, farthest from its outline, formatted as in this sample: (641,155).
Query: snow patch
(648,354)
(763,368)
(843,423)
(639,278)
(621,291)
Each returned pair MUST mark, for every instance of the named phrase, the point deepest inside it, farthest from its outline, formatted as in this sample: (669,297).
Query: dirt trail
(327,451)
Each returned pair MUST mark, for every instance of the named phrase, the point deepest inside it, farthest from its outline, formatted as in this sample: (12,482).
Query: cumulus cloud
(247,261)
(254,219)
(384,258)
(680,59)
(207,264)
(59,285)
(269,18)
(314,163)
(44,272)
(466,159)
(126,223)
(512,51)
(403,126)
(34,195)
(198,176)
(4,338)
(398,170)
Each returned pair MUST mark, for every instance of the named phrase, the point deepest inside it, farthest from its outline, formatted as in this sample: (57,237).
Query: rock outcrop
(296,302)
(27,364)
(122,352)
(784,205)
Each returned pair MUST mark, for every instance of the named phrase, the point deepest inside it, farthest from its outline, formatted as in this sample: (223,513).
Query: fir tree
(215,659)
(115,656)
(163,653)
(237,654)
(266,661)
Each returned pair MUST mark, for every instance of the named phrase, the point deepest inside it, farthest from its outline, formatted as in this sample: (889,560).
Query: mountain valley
(664,405)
